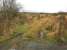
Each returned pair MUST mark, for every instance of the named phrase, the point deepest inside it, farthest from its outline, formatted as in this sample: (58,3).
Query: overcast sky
(44,5)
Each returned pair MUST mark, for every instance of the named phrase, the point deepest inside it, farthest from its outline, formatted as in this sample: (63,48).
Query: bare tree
(8,15)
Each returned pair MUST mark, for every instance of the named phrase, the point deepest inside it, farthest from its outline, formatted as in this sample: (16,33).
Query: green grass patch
(22,28)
